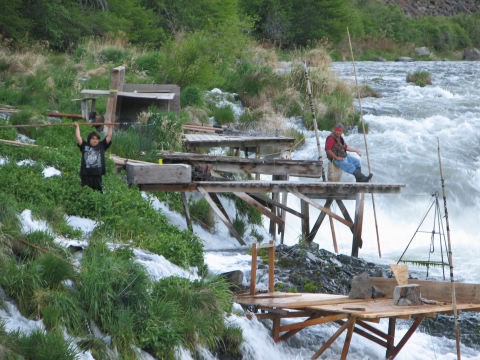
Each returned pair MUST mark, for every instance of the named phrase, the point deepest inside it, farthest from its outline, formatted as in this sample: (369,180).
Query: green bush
(113,55)
(192,96)
(223,115)
(149,62)
(126,144)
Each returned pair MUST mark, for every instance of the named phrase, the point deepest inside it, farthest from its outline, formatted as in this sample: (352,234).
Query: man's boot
(359,177)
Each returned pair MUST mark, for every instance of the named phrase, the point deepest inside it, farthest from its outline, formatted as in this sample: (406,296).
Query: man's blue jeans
(349,164)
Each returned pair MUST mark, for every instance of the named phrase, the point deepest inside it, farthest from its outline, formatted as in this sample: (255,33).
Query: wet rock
(361,287)
(472,55)
(404,59)
(377,292)
(422,51)
(379,59)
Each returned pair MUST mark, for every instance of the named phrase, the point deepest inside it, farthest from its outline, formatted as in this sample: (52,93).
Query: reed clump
(420,78)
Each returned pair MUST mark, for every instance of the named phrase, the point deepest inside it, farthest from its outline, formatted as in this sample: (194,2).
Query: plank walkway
(211,140)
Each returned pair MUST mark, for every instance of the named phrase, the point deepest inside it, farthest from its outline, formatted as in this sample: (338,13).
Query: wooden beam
(320,207)
(391,334)
(264,200)
(318,223)
(333,189)
(187,211)
(358,221)
(291,333)
(366,335)
(256,205)
(348,340)
(220,205)
(334,237)
(276,327)
(332,339)
(435,290)
(271,269)
(220,215)
(317,321)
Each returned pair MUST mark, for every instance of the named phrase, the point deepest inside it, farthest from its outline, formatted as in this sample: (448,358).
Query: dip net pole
(450,257)
(365,140)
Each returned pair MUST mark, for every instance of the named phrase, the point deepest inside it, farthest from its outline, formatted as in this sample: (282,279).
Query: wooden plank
(317,321)
(400,272)
(318,223)
(279,186)
(187,211)
(276,327)
(220,215)
(358,221)
(434,290)
(154,174)
(256,205)
(320,207)
(291,333)
(300,301)
(219,205)
(159,96)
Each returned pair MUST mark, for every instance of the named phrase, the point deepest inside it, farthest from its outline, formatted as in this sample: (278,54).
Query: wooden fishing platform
(267,166)
(354,315)
(177,178)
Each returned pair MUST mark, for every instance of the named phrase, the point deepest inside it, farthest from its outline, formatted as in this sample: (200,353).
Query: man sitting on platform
(337,148)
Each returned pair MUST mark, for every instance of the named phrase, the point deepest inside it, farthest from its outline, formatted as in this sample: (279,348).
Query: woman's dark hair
(91,135)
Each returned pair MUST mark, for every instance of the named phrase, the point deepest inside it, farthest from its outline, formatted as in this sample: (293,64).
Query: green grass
(223,115)
(239,225)
(201,212)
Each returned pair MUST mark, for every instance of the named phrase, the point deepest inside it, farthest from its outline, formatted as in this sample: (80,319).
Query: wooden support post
(391,334)
(283,212)
(116,85)
(346,215)
(306,218)
(271,270)
(318,223)
(257,155)
(220,215)
(217,201)
(187,211)
(334,237)
(366,335)
(332,339)
(253,272)
(276,327)
(348,340)
(405,338)
(358,224)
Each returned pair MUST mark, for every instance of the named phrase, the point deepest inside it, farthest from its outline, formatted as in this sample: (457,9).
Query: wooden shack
(128,100)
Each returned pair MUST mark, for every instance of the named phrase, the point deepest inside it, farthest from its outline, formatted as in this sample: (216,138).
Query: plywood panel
(158,174)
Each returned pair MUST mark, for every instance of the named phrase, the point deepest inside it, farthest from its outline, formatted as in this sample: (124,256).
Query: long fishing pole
(450,257)
(366,145)
(63,124)
(309,92)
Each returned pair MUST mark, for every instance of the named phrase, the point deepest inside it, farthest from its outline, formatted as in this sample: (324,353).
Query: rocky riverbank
(417,8)
(310,269)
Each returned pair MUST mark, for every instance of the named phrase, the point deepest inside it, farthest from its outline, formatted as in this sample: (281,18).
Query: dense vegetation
(288,24)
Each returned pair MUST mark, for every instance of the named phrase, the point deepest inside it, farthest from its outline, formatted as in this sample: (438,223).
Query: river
(404,126)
